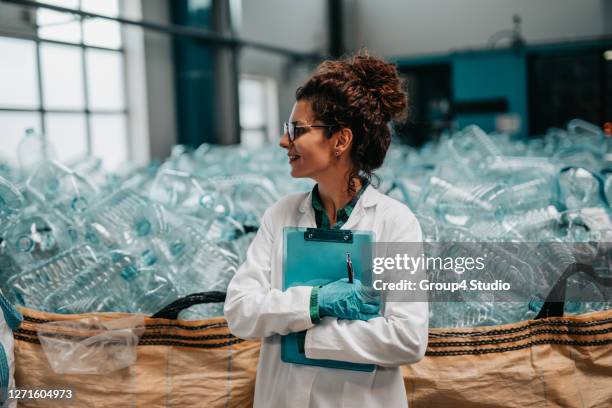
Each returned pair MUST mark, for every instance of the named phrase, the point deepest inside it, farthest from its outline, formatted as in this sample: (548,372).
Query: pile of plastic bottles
(75,238)
(477,187)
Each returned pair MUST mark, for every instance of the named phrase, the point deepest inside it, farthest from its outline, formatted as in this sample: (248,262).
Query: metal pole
(336,28)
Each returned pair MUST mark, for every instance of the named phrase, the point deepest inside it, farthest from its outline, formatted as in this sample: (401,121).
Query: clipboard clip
(327,235)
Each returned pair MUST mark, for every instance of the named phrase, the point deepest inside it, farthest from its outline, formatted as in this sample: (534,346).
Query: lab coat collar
(370,198)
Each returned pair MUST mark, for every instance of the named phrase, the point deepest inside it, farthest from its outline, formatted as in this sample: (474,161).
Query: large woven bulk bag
(179,363)
(552,361)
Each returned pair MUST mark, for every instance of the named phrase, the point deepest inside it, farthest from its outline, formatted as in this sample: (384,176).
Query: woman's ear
(343,140)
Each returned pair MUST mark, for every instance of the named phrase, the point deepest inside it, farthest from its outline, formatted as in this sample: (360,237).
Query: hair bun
(381,80)
(362,93)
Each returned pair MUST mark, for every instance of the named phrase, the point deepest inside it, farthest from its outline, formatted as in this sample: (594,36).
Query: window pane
(101,33)
(62,69)
(12,129)
(253,138)
(106,7)
(252,103)
(18,79)
(67,133)
(55,25)
(105,79)
(109,139)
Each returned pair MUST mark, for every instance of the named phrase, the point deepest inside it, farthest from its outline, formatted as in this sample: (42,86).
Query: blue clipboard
(314,257)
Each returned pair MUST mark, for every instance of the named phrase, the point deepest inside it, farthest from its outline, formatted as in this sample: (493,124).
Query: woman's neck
(334,195)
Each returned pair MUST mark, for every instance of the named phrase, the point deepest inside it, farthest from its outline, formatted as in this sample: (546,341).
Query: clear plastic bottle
(252,198)
(206,204)
(114,284)
(32,150)
(29,288)
(124,218)
(8,267)
(535,304)
(60,188)
(205,264)
(186,194)
(241,245)
(472,145)
(34,238)
(579,188)
(587,155)
(530,224)
(460,314)
(247,195)
(454,203)
(11,202)
(153,289)
(579,126)
(607,174)
(465,204)
(181,159)
(200,265)
(524,195)
(6,171)
(508,166)
(100,287)
(92,169)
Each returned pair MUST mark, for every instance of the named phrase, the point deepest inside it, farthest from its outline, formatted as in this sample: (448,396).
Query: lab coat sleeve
(253,308)
(399,337)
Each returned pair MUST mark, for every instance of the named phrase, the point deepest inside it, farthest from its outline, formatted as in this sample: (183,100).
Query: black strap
(250,228)
(173,309)
(555,301)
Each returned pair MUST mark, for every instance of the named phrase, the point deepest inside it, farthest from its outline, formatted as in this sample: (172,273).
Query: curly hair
(362,93)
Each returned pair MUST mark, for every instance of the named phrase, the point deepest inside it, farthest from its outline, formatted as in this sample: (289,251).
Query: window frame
(271,124)
(87,111)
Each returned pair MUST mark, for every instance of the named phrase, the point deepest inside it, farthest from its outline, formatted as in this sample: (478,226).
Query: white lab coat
(256,307)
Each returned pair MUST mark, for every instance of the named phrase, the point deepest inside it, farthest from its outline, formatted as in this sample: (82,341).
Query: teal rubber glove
(350,301)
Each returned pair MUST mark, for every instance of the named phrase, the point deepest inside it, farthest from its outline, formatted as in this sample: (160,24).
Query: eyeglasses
(294,131)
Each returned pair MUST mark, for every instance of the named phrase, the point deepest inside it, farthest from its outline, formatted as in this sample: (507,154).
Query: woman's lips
(293,157)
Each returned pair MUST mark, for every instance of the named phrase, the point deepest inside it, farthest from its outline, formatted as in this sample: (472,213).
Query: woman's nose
(284,141)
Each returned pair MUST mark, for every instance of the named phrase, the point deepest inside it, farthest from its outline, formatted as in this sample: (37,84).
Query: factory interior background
(139,149)
(226,72)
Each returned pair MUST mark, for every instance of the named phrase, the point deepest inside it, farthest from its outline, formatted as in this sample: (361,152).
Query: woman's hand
(351,301)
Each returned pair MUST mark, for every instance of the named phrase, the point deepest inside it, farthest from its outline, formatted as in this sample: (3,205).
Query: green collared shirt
(342,215)
(322,220)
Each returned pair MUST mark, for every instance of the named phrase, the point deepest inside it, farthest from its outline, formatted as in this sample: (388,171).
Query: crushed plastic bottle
(122,219)
(580,188)
(62,189)
(34,238)
(11,202)
(114,283)
(29,287)
(32,150)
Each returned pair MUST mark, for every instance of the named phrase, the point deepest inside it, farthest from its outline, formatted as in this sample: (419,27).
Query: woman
(337,135)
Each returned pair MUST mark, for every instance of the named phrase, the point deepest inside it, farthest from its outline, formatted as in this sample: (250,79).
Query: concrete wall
(150,82)
(160,81)
(294,24)
(17,20)
(408,27)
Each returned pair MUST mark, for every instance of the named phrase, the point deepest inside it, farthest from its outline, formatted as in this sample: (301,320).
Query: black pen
(349,267)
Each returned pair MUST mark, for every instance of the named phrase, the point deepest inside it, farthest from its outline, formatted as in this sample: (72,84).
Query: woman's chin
(296,172)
